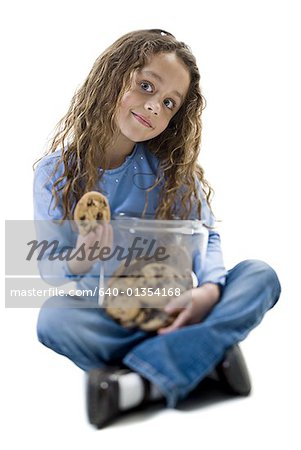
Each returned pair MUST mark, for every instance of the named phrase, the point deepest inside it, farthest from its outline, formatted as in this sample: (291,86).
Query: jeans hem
(167,388)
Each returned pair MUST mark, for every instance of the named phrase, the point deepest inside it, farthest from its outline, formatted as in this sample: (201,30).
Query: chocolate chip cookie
(91,209)
(142,291)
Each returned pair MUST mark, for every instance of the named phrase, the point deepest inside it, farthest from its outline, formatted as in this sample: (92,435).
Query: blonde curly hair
(90,124)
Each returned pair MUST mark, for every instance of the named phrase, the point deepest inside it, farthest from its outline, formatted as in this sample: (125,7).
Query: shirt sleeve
(53,238)
(212,269)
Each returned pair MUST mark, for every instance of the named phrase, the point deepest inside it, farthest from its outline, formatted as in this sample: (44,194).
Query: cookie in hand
(91,209)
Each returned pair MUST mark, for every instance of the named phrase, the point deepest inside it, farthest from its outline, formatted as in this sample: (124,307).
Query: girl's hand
(192,306)
(103,235)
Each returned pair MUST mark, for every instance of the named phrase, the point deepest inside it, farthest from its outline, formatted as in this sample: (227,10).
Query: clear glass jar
(151,257)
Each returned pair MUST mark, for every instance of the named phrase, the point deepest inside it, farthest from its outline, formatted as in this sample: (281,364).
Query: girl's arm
(212,270)
(195,304)
(54,238)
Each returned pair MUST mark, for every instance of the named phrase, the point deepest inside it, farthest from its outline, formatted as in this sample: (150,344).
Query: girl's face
(157,92)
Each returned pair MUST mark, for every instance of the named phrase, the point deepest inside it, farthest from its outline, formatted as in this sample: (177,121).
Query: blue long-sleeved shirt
(125,187)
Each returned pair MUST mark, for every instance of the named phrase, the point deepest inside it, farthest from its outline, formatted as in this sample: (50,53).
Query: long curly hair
(89,126)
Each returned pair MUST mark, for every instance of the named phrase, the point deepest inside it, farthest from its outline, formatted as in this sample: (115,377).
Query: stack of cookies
(142,291)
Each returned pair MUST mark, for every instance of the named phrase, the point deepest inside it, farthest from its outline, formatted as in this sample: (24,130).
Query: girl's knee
(264,274)
(51,323)
(61,327)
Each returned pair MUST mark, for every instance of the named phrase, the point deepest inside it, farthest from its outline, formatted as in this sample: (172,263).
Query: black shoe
(233,372)
(103,395)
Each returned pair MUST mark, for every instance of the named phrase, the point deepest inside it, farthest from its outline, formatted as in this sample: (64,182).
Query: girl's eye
(145,85)
(169,103)
(148,87)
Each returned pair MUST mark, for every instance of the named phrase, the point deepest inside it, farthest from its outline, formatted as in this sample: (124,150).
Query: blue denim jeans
(176,362)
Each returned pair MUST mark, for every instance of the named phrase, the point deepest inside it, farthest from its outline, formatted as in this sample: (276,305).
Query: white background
(249,58)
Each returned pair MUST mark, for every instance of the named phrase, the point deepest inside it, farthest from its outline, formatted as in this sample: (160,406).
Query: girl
(133,132)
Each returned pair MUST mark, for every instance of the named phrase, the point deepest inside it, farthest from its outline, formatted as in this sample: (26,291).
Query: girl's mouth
(141,120)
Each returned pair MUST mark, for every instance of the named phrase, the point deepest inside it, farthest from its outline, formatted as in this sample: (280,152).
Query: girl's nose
(153,105)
